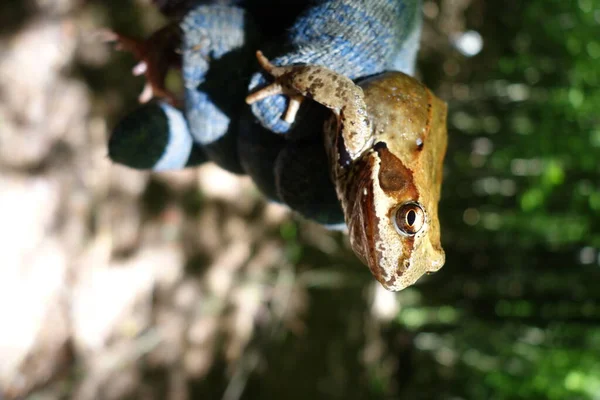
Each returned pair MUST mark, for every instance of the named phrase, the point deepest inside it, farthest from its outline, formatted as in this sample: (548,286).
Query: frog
(386,141)
(381,178)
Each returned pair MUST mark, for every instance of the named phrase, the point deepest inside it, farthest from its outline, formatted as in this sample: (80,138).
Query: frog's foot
(276,88)
(156,56)
(328,88)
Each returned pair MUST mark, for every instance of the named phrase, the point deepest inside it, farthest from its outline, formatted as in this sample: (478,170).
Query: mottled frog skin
(386,144)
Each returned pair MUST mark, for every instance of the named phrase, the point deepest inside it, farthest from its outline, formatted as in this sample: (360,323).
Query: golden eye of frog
(386,144)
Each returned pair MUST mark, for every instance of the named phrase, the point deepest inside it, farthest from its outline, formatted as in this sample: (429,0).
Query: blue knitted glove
(218,45)
(356,38)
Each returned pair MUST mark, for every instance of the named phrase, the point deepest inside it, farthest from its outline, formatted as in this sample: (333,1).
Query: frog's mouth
(363,224)
(366,243)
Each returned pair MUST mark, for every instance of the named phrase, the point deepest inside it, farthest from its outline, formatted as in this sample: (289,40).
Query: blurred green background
(515,312)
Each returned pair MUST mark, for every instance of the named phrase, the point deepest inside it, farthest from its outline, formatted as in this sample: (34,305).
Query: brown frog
(386,145)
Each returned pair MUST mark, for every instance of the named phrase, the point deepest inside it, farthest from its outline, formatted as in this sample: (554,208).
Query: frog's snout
(437,262)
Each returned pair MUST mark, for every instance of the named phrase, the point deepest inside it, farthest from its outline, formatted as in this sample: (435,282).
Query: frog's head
(393,215)
(393,228)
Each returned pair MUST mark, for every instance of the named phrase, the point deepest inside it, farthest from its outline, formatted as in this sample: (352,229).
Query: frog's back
(407,116)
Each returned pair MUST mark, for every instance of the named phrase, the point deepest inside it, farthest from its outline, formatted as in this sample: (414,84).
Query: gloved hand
(357,38)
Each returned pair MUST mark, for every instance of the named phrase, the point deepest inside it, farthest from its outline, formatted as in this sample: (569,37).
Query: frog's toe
(292,108)
(140,68)
(106,35)
(146,94)
(156,55)
(269,110)
(261,94)
(272,90)
(264,61)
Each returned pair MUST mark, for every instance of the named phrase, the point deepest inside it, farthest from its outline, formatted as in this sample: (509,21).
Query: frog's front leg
(334,91)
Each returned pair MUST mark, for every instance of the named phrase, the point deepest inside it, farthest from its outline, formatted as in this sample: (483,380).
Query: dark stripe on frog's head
(395,179)
(361,216)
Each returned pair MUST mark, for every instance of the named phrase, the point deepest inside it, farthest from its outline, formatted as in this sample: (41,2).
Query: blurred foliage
(534,157)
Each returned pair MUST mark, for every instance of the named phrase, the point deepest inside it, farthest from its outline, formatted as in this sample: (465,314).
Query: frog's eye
(409,218)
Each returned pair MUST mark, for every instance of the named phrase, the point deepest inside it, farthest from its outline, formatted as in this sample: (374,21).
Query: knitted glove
(218,44)
(356,38)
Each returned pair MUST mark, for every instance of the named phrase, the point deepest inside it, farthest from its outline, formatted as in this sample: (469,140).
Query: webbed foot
(276,88)
(328,88)
(156,55)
